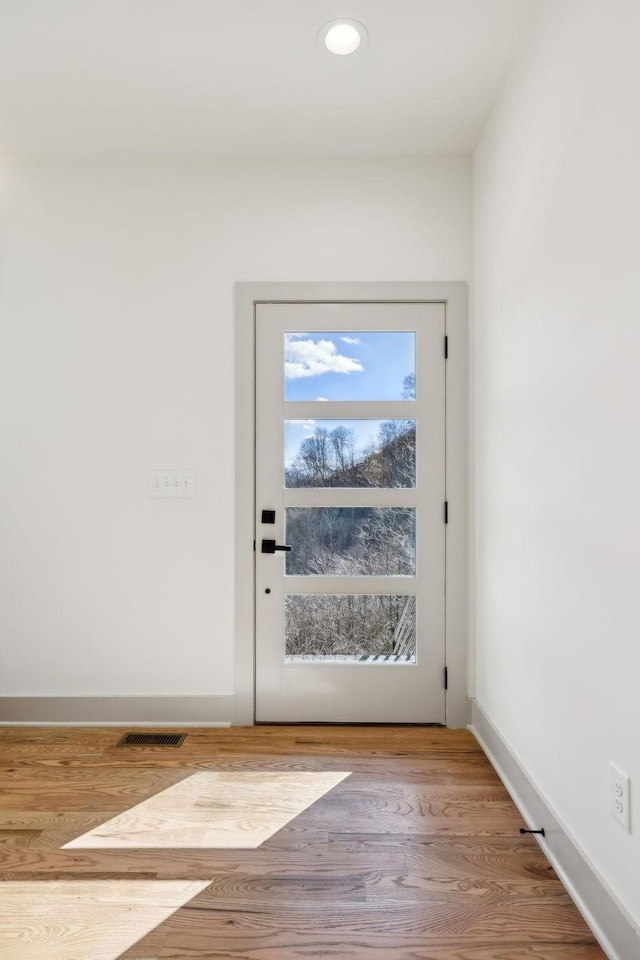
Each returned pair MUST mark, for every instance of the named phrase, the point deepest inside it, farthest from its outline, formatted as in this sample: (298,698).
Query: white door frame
(454,296)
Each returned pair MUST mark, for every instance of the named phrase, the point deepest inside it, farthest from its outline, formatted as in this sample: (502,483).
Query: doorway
(349,510)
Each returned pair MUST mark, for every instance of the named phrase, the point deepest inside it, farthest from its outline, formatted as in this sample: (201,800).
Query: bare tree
(340,441)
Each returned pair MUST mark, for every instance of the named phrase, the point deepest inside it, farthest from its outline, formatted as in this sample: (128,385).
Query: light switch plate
(172,484)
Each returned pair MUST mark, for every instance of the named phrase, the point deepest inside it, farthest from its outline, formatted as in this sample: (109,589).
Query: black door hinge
(446,678)
(446,511)
(446,348)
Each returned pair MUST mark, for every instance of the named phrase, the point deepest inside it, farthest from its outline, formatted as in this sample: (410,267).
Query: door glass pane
(350,453)
(351,541)
(350,366)
(350,628)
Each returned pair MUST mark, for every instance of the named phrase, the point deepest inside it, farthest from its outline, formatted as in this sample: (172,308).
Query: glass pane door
(350,551)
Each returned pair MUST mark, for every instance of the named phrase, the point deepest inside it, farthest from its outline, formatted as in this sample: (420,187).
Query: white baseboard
(613,928)
(116,711)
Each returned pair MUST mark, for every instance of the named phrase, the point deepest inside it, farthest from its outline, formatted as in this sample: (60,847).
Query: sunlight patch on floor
(85,919)
(214,810)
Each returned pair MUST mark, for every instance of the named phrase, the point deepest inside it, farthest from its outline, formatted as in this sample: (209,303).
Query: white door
(350,512)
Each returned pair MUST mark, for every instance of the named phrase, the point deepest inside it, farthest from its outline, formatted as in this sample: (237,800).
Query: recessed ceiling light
(342,37)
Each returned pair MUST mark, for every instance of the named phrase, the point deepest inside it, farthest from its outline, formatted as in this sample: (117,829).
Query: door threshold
(340,723)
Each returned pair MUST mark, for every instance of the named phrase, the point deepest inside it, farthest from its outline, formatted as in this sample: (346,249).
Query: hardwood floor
(415,856)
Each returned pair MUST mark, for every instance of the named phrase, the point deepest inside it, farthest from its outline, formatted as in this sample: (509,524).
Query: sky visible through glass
(326,366)
(365,434)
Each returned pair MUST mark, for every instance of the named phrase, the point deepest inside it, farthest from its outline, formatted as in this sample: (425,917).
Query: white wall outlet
(172,484)
(619,791)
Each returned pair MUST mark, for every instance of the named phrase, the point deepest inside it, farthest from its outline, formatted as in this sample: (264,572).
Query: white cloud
(350,339)
(305,424)
(312,358)
(323,399)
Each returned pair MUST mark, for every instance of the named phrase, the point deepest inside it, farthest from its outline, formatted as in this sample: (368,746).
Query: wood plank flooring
(415,856)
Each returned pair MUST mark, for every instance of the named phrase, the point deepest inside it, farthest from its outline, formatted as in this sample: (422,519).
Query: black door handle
(270,546)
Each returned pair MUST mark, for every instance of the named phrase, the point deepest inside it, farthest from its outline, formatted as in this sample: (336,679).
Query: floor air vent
(151,740)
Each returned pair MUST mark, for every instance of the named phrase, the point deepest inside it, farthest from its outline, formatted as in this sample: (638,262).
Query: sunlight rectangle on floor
(85,919)
(214,810)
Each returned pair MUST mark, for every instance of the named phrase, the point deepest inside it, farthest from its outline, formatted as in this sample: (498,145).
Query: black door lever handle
(270,546)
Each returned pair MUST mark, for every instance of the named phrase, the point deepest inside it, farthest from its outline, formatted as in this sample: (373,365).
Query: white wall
(116,292)
(557,256)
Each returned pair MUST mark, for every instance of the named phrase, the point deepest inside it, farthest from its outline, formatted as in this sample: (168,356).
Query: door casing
(454,295)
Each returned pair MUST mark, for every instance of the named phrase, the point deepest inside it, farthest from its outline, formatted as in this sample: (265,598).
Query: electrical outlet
(619,791)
